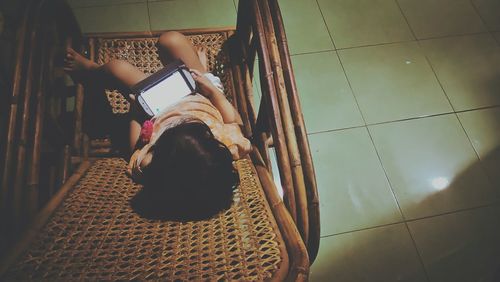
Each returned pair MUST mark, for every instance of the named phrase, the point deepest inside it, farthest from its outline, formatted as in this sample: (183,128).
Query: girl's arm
(135,126)
(228,112)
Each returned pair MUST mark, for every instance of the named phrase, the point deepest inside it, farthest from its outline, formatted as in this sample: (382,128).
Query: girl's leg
(114,74)
(174,45)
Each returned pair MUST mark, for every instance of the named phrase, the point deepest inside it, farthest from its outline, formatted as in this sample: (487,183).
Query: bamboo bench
(89,230)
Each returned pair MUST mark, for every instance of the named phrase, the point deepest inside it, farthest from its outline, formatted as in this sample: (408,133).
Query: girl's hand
(204,85)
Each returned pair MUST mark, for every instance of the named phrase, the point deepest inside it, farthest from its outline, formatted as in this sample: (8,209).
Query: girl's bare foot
(202,55)
(76,63)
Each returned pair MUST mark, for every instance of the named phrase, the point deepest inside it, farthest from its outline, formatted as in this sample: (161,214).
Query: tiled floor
(402,103)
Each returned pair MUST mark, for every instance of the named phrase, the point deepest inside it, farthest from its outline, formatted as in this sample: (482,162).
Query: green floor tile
(435,18)
(326,98)
(305,29)
(483,129)
(379,254)
(353,189)
(432,166)
(127,17)
(489,10)
(393,82)
(468,68)
(184,14)
(461,246)
(364,22)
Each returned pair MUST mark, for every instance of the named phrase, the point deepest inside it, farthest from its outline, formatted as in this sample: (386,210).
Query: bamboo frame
(15,98)
(273,110)
(22,160)
(19,181)
(32,184)
(300,130)
(288,126)
(299,260)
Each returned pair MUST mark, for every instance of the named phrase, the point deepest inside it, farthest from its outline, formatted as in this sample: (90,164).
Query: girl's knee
(171,38)
(116,65)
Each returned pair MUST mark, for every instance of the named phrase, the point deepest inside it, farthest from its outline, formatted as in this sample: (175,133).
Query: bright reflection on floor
(440,183)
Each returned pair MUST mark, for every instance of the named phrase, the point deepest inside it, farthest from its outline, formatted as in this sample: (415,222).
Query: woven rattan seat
(95,235)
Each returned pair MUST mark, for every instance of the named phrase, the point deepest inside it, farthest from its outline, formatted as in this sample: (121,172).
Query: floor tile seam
(312,52)
(406,19)
(375,44)
(476,9)
(492,204)
(149,16)
(419,254)
(362,229)
(496,39)
(436,76)
(109,5)
(391,185)
(393,42)
(454,35)
(402,120)
(479,159)
(496,202)
(326,25)
(235,6)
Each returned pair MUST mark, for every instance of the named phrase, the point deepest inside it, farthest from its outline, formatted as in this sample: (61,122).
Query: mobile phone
(164,88)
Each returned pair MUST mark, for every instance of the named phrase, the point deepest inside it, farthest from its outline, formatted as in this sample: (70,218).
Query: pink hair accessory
(146,131)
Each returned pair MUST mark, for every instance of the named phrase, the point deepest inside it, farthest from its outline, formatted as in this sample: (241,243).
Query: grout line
(454,35)
(334,130)
(312,52)
(377,44)
(419,254)
(107,5)
(406,19)
(476,9)
(497,39)
(362,229)
(236,7)
(402,120)
(389,43)
(492,32)
(480,162)
(492,204)
(149,16)
(326,25)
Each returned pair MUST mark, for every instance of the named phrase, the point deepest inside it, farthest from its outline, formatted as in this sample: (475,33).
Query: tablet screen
(166,93)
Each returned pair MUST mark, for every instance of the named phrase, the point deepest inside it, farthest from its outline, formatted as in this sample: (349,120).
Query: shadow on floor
(462,246)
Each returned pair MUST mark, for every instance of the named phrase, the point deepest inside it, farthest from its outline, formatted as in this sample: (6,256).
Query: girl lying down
(183,156)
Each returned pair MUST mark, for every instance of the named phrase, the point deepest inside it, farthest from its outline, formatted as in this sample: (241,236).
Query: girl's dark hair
(191,173)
